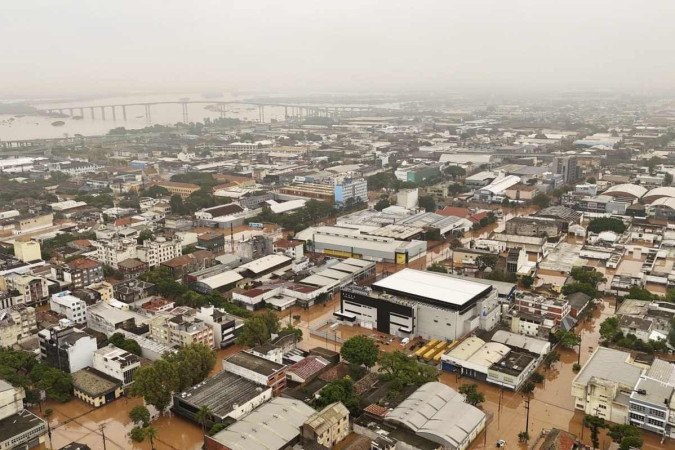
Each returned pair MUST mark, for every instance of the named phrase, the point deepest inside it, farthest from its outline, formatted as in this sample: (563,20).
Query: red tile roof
(307,367)
(453,211)
(376,410)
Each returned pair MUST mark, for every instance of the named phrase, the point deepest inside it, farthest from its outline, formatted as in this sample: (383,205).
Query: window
(637,417)
(638,408)
(657,413)
(655,422)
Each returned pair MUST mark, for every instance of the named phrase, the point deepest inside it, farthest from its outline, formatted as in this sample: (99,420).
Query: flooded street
(552,405)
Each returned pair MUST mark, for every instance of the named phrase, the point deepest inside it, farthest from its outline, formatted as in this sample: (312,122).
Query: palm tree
(203,416)
(151,433)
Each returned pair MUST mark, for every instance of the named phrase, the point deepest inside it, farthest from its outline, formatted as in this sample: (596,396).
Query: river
(40,127)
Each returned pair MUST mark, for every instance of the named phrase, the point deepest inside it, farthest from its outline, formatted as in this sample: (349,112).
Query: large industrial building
(345,242)
(420,303)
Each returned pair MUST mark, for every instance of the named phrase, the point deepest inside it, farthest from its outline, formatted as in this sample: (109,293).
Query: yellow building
(96,388)
(182,189)
(27,250)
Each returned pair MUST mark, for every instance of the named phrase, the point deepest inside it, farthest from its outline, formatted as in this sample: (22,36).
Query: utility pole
(579,352)
(527,416)
(102,428)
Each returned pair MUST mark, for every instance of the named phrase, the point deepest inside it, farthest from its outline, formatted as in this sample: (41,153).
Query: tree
(192,364)
(541,200)
(454,172)
(527,388)
(150,434)
(471,393)
(216,428)
(594,424)
(619,432)
(156,383)
(609,328)
(527,281)
(137,434)
(667,179)
(258,329)
(586,275)
(339,391)
(145,235)
(155,191)
(130,345)
(606,224)
(381,204)
(571,288)
(437,267)
(537,378)
(290,329)
(485,261)
(566,338)
(360,350)
(176,204)
(203,416)
(140,415)
(428,203)
(551,358)
(630,442)
(401,370)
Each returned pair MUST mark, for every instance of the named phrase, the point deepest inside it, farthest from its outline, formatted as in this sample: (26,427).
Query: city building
(550,308)
(567,167)
(351,190)
(19,428)
(79,273)
(273,425)
(604,384)
(495,192)
(652,402)
(27,250)
(66,348)
(228,397)
(419,303)
(439,413)
(31,290)
(290,247)
(116,363)
(534,226)
(112,252)
(180,327)
(16,323)
(96,388)
(328,426)
(350,243)
(418,173)
(182,189)
(257,369)
(153,252)
(225,326)
(69,306)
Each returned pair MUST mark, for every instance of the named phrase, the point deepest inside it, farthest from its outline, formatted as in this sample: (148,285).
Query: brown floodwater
(552,405)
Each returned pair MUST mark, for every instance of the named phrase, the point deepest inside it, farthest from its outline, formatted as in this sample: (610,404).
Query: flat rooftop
(221,393)
(254,363)
(20,423)
(432,285)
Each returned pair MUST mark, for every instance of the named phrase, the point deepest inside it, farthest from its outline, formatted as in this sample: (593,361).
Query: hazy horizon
(78,47)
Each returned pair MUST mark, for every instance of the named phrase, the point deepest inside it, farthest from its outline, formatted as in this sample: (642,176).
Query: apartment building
(117,363)
(79,273)
(69,306)
(112,252)
(180,327)
(16,323)
(350,189)
(27,250)
(32,290)
(328,426)
(67,348)
(19,428)
(155,252)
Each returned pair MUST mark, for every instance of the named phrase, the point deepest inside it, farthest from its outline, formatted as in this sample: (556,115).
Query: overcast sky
(61,47)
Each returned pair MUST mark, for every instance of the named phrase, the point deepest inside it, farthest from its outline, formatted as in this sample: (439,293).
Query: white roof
(318,280)
(502,184)
(271,426)
(290,205)
(68,204)
(668,202)
(438,413)
(489,354)
(433,285)
(265,263)
(609,364)
(221,279)
(628,188)
(531,344)
(662,191)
